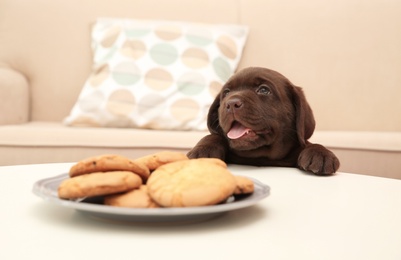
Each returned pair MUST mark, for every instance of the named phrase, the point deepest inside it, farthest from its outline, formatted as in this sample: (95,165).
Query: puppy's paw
(319,160)
(205,151)
(210,146)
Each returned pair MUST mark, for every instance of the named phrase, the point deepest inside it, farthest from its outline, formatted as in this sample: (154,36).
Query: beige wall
(346,54)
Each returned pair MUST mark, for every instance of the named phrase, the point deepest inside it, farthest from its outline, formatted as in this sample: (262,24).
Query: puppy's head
(258,107)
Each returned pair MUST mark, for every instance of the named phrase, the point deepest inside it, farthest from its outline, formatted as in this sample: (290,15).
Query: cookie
(154,161)
(188,183)
(244,185)
(137,198)
(214,161)
(99,183)
(109,162)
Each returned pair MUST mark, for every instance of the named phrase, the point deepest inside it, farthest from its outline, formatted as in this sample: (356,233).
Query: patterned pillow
(156,74)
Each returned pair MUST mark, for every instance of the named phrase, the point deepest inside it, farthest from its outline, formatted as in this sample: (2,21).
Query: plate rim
(41,190)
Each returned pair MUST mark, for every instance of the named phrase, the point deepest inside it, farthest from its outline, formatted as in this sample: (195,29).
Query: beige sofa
(345,54)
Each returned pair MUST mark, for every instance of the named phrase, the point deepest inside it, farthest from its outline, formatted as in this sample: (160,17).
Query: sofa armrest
(14,93)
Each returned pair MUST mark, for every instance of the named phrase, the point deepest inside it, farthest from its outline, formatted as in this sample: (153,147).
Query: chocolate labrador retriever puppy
(260,118)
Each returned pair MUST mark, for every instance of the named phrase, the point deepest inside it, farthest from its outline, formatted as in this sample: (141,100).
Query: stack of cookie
(164,179)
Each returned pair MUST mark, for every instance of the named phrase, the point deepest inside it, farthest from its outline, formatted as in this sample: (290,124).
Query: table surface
(346,216)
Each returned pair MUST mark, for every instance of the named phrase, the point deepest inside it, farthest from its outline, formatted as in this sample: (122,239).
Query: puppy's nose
(234,104)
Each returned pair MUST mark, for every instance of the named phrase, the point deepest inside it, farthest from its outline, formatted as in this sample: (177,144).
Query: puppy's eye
(264,90)
(225,92)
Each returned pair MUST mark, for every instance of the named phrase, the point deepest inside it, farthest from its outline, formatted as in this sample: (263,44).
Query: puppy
(260,118)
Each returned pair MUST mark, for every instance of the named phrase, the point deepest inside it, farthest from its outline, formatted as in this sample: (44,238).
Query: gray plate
(47,189)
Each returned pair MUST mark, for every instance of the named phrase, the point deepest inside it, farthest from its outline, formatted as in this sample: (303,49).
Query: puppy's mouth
(238,130)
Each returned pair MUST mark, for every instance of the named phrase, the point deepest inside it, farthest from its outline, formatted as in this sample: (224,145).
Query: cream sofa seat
(345,55)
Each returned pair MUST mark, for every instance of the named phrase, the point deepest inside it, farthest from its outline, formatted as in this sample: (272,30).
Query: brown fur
(279,122)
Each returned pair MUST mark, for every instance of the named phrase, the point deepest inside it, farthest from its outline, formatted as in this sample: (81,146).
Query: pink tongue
(237,130)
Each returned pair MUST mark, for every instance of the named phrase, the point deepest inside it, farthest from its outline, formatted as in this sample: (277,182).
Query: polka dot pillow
(156,74)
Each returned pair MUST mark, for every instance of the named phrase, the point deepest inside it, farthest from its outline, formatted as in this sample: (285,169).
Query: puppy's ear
(305,121)
(213,116)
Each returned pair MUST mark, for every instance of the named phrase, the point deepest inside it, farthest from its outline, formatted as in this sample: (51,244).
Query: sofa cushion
(55,134)
(360,140)
(156,74)
(47,142)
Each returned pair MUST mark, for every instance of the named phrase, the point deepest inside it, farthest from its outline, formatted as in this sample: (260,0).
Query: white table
(346,216)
